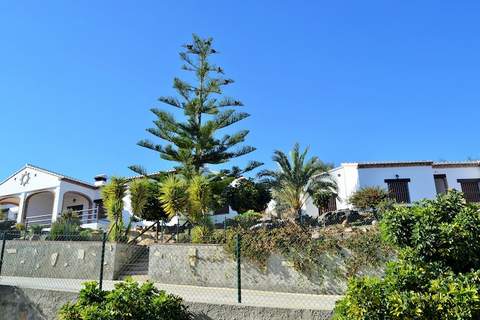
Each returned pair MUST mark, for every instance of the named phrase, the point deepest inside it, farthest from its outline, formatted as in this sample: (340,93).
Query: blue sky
(354,80)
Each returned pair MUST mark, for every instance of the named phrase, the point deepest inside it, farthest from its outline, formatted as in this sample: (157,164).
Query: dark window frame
(394,196)
(470,197)
(445,181)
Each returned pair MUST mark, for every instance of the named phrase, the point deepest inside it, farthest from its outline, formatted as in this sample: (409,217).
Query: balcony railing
(85,216)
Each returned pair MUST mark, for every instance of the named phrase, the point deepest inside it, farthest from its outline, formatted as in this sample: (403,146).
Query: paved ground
(195,294)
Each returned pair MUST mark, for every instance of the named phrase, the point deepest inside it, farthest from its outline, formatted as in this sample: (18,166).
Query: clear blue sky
(355,80)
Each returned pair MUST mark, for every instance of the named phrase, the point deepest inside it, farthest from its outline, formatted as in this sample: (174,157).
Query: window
(471,189)
(398,189)
(440,183)
(222,210)
(331,206)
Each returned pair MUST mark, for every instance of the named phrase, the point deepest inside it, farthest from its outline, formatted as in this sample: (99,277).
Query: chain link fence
(223,269)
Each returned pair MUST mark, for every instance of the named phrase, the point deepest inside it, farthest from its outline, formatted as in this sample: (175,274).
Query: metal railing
(86,217)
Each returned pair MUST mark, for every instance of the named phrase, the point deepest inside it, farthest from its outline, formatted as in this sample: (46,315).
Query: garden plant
(437,274)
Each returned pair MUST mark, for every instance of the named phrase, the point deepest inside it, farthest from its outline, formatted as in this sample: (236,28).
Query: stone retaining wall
(36,304)
(64,259)
(211,266)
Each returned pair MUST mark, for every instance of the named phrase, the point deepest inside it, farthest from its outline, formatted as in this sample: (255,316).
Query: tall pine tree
(194,143)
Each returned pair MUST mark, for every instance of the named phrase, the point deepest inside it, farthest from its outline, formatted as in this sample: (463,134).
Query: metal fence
(203,273)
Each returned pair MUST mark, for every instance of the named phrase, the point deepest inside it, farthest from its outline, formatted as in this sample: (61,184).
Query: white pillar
(21,207)
(57,203)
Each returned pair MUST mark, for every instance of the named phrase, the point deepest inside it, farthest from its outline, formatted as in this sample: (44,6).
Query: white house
(406,181)
(34,195)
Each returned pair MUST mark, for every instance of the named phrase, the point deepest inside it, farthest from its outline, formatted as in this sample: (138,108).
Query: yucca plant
(113,194)
(296,180)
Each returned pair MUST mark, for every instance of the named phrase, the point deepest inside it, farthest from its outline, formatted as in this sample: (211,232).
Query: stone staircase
(137,266)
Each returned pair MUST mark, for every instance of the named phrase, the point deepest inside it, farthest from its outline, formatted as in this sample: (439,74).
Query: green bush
(67,228)
(296,245)
(369,198)
(247,195)
(437,274)
(245,220)
(35,229)
(128,301)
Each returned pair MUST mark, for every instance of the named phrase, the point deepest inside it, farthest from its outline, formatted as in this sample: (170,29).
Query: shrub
(295,244)
(437,274)
(247,195)
(128,301)
(245,220)
(368,198)
(202,232)
(35,229)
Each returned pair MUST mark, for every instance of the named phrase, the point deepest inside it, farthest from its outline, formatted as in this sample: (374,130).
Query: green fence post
(225,228)
(239,272)
(102,259)
(4,240)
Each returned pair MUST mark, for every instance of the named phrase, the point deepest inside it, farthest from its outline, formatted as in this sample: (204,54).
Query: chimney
(100,180)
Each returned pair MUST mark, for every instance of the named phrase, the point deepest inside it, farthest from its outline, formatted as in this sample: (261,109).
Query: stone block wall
(64,259)
(211,266)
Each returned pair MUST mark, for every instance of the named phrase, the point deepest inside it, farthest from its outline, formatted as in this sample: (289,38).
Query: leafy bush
(19,227)
(35,229)
(245,220)
(296,244)
(247,195)
(128,301)
(67,228)
(202,232)
(437,275)
(368,198)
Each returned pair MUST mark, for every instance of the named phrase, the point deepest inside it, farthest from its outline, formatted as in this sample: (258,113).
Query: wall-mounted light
(74,200)
(397,176)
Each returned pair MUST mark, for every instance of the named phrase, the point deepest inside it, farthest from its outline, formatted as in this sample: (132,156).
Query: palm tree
(296,180)
(173,195)
(139,192)
(113,194)
(192,197)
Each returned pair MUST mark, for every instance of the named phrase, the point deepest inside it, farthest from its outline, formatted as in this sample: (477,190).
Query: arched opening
(39,208)
(80,204)
(9,208)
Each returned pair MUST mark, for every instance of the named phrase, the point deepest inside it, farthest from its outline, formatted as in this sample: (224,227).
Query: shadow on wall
(14,305)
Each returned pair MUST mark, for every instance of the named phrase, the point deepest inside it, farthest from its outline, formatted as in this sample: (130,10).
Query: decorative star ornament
(25,179)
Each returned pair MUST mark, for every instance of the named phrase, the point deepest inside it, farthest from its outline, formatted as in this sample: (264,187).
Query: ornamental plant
(245,194)
(128,301)
(437,274)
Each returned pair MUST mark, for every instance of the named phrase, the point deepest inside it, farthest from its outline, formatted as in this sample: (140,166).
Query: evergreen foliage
(128,301)
(246,194)
(437,274)
(193,142)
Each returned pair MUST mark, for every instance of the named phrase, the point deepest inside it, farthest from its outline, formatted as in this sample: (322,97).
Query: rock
(53,259)
(339,216)
(349,229)
(316,234)
(374,222)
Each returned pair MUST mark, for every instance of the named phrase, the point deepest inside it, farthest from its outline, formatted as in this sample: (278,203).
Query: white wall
(421,185)
(38,181)
(74,199)
(453,174)
(40,204)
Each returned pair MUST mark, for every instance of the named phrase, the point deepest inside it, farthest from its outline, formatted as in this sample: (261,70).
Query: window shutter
(398,189)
